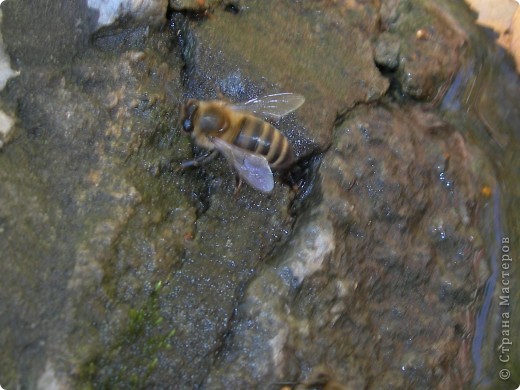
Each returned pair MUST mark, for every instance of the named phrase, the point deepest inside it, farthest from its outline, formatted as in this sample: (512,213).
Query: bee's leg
(289,178)
(198,161)
(238,185)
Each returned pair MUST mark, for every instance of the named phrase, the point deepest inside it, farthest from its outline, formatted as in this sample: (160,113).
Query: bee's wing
(271,106)
(253,168)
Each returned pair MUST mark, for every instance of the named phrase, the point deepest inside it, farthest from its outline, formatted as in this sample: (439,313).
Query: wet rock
(143,276)
(60,31)
(71,177)
(342,284)
(386,53)
(260,55)
(138,242)
(427,33)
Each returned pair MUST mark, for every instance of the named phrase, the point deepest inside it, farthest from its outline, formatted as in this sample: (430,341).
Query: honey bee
(239,132)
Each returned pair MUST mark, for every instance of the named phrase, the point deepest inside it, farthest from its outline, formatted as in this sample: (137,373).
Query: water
(483,102)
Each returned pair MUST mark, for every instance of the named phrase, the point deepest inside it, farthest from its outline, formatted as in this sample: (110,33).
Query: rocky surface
(426,32)
(120,271)
(374,250)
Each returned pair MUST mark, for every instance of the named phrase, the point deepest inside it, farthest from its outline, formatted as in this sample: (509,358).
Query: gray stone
(386,52)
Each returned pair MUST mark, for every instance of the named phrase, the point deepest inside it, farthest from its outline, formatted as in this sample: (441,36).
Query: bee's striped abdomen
(280,154)
(260,137)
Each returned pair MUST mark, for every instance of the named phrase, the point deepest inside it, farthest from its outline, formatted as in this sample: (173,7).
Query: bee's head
(187,114)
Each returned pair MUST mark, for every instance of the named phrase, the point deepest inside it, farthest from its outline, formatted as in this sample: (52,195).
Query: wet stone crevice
(136,275)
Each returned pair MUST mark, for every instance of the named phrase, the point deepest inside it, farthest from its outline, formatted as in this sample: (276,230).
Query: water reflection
(483,316)
(483,102)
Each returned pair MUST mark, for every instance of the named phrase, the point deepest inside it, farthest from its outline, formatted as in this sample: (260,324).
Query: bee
(239,132)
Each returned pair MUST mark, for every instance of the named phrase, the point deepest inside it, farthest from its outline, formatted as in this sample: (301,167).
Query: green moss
(134,355)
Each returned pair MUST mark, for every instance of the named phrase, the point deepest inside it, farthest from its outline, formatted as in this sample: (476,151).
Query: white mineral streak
(277,344)
(317,242)
(6,122)
(148,11)
(5,64)
(49,381)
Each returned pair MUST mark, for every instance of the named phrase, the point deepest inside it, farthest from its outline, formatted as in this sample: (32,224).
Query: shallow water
(483,100)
